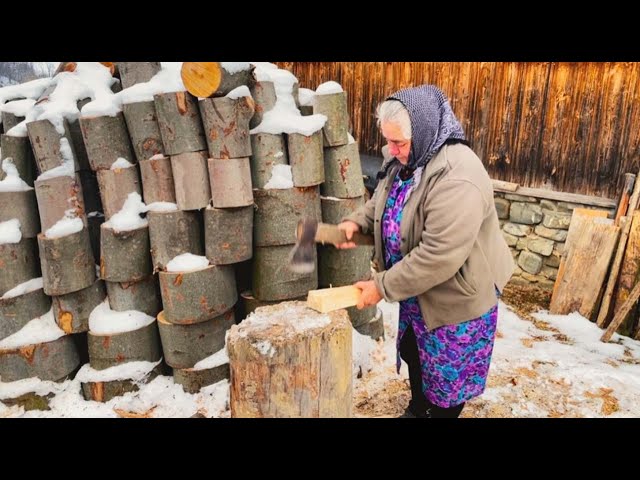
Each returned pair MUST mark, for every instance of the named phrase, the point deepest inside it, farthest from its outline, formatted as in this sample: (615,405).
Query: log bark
(226,126)
(90,191)
(191,180)
(45,142)
(210,79)
(132,73)
(250,303)
(48,361)
(106,139)
(264,96)
(272,279)
(306,159)
(193,381)
(179,122)
(24,207)
(67,263)
(334,106)
(18,263)
(185,345)
(142,124)
(197,296)
(105,391)
(115,187)
(140,345)
(230,182)
(16,312)
(343,172)
(9,120)
(373,328)
(228,234)
(335,209)
(297,366)
(364,316)
(278,212)
(172,234)
(57,195)
(337,268)
(143,296)
(72,310)
(124,256)
(157,180)
(18,149)
(268,150)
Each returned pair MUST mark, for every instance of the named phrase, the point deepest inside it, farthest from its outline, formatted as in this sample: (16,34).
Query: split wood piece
(57,195)
(230,181)
(142,296)
(267,151)
(273,280)
(228,234)
(334,106)
(115,187)
(627,191)
(193,381)
(278,212)
(23,206)
(46,143)
(197,296)
(625,308)
(363,316)
(142,124)
(185,345)
(335,209)
(67,263)
(106,139)
(71,311)
(18,263)
(19,150)
(297,363)
(90,191)
(337,268)
(226,126)
(210,79)
(48,361)
(157,180)
(110,350)
(306,159)
(172,234)
(343,172)
(179,122)
(132,73)
(191,180)
(250,303)
(264,95)
(9,120)
(105,391)
(374,328)
(124,256)
(16,312)
(330,299)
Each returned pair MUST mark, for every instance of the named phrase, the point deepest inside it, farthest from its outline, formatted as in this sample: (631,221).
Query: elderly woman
(438,250)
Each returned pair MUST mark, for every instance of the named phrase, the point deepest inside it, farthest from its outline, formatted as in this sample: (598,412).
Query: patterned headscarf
(432,122)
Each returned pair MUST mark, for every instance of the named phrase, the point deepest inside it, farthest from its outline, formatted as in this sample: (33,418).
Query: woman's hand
(348,227)
(370,295)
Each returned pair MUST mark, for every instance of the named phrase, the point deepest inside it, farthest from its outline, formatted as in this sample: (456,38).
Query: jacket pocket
(465,280)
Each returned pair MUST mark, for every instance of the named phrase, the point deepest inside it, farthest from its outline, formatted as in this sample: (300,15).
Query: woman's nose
(393,149)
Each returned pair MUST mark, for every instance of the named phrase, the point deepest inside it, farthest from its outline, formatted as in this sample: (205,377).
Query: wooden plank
(621,315)
(629,268)
(330,299)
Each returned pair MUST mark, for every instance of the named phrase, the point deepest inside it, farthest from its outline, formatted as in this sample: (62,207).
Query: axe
(308,233)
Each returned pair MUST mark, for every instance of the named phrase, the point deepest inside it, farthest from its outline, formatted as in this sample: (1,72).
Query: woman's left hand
(370,295)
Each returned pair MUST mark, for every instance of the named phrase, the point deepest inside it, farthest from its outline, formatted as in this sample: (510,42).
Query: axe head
(301,259)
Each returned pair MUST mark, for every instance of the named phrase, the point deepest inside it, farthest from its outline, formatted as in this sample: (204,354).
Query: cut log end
(201,79)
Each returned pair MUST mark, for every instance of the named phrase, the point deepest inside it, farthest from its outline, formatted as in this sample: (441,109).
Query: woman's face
(399,146)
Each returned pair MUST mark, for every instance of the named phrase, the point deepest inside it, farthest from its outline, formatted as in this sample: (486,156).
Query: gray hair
(393,111)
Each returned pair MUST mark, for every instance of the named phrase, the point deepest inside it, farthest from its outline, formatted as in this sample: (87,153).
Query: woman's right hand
(348,227)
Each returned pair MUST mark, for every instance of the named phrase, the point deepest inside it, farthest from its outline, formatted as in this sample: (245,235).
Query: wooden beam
(507,187)
(330,299)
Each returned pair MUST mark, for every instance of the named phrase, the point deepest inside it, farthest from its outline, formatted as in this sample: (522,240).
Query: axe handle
(327,233)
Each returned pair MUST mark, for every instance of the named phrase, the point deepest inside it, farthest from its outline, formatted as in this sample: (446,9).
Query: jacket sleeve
(454,214)
(365,214)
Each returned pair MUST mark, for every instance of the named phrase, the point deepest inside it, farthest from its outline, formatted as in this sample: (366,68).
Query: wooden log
(67,263)
(143,128)
(306,159)
(250,303)
(172,234)
(625,308)
(338,268)
(343,172)
(374,328)
(230,182)
(24,207)
(157,180)
(228,234)
(627,191)
(18,263)
(71,311)
(16,312)
(46,143)
(197,296)
(106,139)
(124,256)
(335,209)
(110,350)
(47,361)
(363,316)
(191,180)
(132,73)
(19,150)
(57,195)
(288,361)
(629,271)
(105,391)
(267,150)
(143,296)
(330,299)
(10,120)
(273,280)
(264,96)
(90,191)
(115,187)
(210,79)
(334,106)
(179,122)
(193,381)
(226,126)
(185,345)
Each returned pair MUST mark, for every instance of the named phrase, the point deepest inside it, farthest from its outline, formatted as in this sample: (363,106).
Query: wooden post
(18,263)
(306,159)
(228,234)
(57,195)
(157,180)
(16,312)
(140,345)
(334,106)
(132,73)
(226,126)
(18,149)
(106,139)
(172,234)
(230,182)
(143,296)
(71,311)
(264,95)
(124,256)
(343,172)
(179,122)
(210,79)
(272,278)
(268,150)
(191,180)
(142,124)
(23,206)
